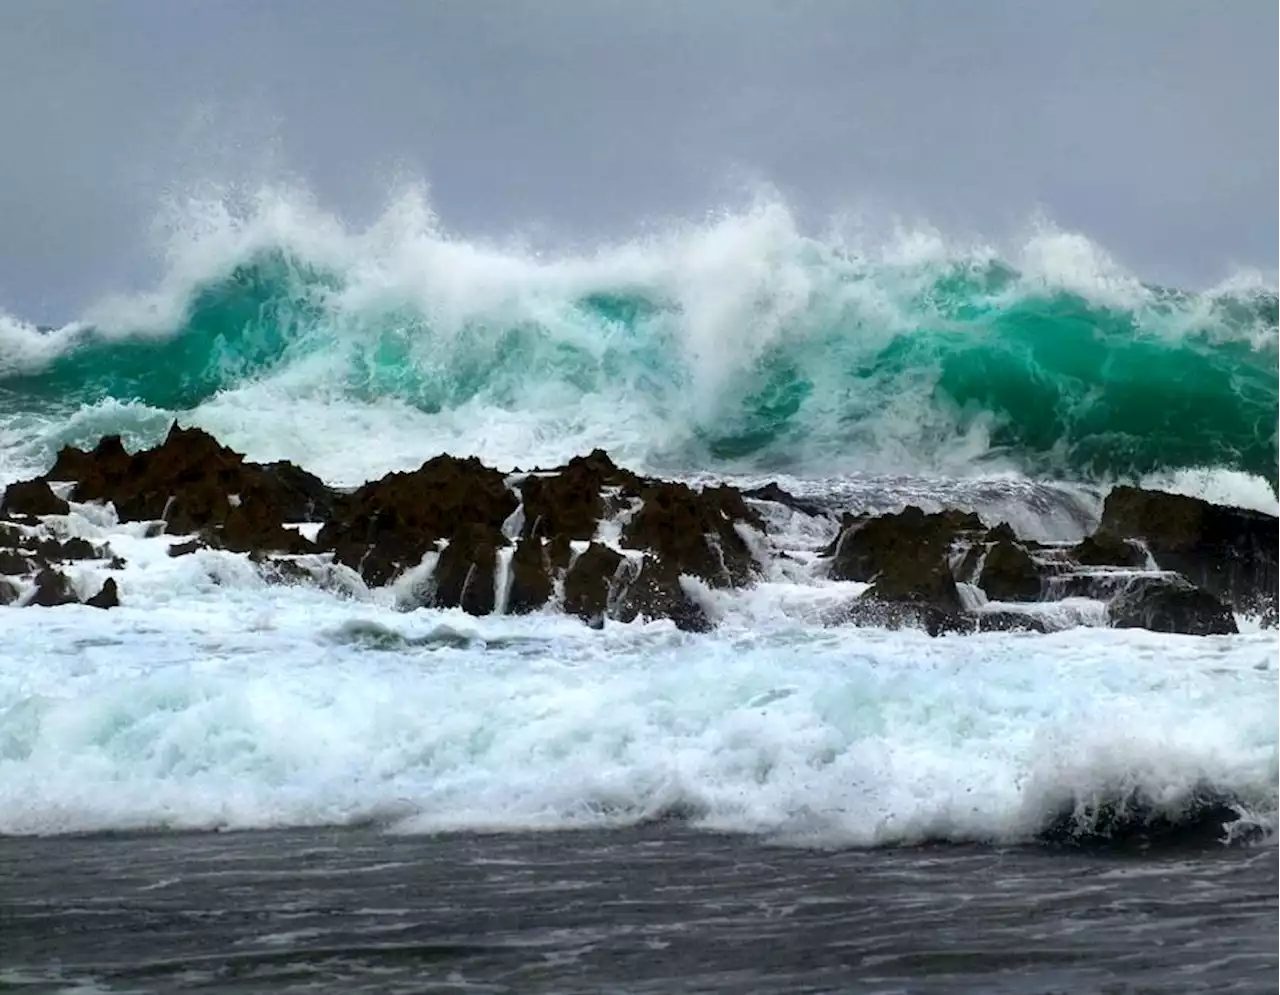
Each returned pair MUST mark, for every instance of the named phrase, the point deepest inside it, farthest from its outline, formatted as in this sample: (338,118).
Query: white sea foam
(211,699)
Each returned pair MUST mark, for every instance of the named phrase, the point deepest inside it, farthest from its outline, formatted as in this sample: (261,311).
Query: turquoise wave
(1053,381)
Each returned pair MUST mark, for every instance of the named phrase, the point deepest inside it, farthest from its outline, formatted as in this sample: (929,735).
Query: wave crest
(741,344)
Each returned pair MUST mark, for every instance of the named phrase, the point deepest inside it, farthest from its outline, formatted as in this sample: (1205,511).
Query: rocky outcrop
(389,524)
(570,501)
(1230,552)
(589,581)
(32,497)
(531,586)
(695,532)
(194,484)
(464,573)
(866,548)
(1009,573)
(1170,603)
(601,542)
(655,591)
(1106,549)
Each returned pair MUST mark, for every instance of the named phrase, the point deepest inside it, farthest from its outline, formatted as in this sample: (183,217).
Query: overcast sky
(1151,126)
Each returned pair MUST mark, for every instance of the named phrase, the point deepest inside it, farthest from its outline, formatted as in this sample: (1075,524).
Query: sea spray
(741,345)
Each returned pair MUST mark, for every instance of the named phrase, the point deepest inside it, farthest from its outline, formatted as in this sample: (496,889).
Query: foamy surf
(212,699)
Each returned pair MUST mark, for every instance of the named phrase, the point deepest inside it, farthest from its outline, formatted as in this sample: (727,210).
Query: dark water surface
(660,909)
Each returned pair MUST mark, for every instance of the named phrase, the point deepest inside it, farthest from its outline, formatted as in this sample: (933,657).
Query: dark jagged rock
(11,537)
(1009,573)
(917,581)
(186,548)
(571,500)
(13,563)
(9,592)
(693,532)
(53,588)
(589,582)
(559,552)
(531,584)
(867,547)
(387,525)
(74,548)
(464,573)
(1104,549)
(107,597)
(1230,552)
(907,557)
(196,485)
(656,592)
(772,492)
(1169,603)
(32,497)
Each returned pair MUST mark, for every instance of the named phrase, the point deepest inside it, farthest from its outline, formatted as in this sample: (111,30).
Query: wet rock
(464,573)
(1009,573)
(693,532)
(74,548)
(531,583)
(656,592)
(195,484)
(32,497)
(1009,621)
(888,614)
(11,537)
(1229,552)
(589,581)
(9,592)
(185,548)
(13,563)
(868,547)
(107,597)
(570,501)
(1104,549)
(1169,603)
(52,588)
(772,492)
(324,575)
(387,525)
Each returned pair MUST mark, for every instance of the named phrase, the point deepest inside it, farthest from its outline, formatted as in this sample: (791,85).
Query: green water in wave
(1061,385)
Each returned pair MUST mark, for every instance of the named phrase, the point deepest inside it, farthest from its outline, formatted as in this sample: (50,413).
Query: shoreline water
(656,909)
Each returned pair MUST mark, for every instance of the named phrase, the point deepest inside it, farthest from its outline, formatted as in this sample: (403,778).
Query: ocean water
(1022,385)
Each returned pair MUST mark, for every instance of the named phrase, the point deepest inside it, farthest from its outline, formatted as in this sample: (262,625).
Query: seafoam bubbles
(213,699)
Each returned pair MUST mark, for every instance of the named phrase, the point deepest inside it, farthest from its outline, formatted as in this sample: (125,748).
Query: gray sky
(1151,126)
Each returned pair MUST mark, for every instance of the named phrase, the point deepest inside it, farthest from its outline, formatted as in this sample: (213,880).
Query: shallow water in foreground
(653,909)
